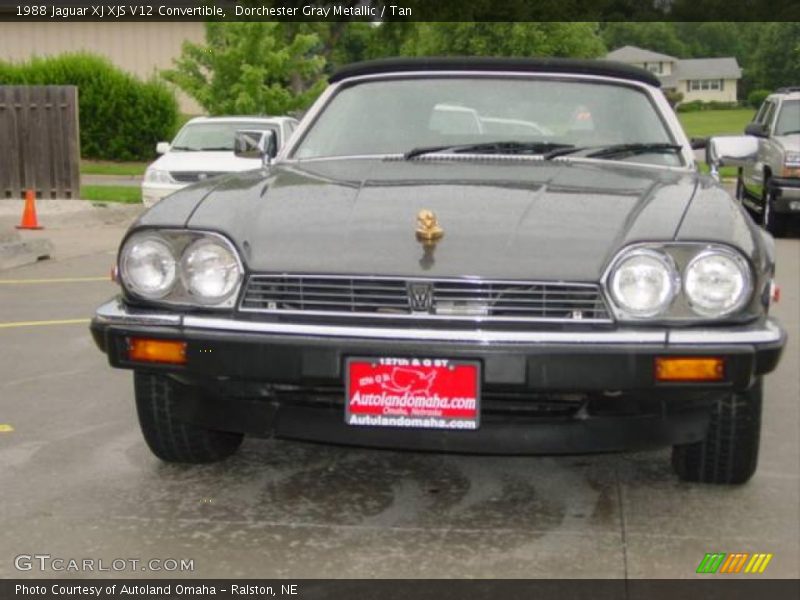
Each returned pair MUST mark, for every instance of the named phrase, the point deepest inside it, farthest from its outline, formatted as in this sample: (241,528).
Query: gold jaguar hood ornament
(428,229)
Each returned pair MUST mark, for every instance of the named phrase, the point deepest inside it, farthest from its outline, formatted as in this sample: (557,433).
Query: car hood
(213,162)
(790,143)
(516,219)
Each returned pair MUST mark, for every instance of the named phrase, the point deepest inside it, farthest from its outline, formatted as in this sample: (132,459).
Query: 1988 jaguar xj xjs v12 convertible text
(499,256)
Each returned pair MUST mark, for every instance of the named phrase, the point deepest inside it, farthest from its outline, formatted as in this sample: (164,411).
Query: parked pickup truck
(770,186)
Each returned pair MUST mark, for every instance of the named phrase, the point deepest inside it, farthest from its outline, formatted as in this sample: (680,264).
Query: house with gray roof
(704,79)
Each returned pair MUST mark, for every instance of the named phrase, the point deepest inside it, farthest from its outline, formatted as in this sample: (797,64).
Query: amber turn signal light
(690,368)
(157,351)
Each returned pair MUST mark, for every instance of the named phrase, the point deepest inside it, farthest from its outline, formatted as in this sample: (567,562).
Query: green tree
(387,39)
(251,68)
(711,39)
(505,39)
(776,58)
(658,36)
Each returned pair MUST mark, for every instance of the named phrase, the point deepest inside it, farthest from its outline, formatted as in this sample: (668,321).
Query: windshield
(789,118)
(396,116)
(195,137)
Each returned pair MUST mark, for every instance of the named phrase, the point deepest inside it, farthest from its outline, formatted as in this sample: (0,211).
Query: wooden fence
(39,145)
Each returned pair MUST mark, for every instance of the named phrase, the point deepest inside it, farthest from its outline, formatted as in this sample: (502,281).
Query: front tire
(729,452)
(740,192)
(170,438)
(770,220)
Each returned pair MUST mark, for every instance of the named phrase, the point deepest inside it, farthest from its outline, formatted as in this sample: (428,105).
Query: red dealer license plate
(417,393)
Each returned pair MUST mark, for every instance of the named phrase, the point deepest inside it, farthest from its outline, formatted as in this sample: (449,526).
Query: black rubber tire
(770,220)
(170,438)
(729,452)
(739,193)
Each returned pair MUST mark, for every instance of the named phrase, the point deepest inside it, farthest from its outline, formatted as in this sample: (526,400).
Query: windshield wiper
(616,150)
(501,147)
(183,149)
(792,132)
(220,149)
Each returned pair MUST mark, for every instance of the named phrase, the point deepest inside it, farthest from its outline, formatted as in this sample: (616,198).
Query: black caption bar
(580,589)
(403,10)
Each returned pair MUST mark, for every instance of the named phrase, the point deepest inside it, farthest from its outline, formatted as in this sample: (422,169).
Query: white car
(203,148)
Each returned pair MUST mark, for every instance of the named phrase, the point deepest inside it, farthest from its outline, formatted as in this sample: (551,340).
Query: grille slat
(525,292)
(458,299)
(193,176)
(306,302)
(307,294)
(344,289)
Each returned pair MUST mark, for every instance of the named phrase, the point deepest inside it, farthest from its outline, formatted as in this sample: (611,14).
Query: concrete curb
(15,252)
(54,214)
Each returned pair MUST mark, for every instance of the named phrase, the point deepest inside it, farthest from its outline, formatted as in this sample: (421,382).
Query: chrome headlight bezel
(670,274)
(744,270)
(186,277)
(129,281)
(680,309)
(181,241)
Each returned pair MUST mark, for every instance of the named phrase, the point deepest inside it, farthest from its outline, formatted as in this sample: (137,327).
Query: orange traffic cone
(29,220)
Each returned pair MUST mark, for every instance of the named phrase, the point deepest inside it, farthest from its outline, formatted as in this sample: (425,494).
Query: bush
(692,106)
(674,97)
(121,117)
(696,105)
(756,97)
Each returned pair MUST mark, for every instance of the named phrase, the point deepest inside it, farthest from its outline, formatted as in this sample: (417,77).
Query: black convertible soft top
(481,63)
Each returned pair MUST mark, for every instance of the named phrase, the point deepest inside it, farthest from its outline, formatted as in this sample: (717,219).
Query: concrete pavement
(125,180)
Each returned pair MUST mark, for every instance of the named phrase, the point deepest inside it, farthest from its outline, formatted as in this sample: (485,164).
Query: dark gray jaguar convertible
(461,255)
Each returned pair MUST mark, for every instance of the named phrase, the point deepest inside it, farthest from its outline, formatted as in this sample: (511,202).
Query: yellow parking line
(53,280)
(41,323)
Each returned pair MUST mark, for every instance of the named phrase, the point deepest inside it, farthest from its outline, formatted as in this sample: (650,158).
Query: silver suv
(770,185)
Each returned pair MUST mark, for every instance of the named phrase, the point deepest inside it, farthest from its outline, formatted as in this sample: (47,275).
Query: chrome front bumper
(115,313)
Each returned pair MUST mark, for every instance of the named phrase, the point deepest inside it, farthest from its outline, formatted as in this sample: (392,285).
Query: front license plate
(415,393)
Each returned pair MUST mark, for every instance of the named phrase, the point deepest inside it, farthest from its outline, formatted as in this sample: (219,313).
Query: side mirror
(756,129)
(699,143)
(249,143)
(731,150)
(162,147)
(270,142)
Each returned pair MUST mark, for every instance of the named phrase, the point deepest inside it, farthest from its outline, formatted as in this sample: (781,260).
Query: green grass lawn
(105,167)
(112,193)
(705,123)
(708,123)
(724,172)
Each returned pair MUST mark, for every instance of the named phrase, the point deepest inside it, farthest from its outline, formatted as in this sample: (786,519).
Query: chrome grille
(193,176)
(466,299)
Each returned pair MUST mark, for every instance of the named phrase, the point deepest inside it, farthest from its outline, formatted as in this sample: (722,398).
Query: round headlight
(210,271)
(717,283)
(147,267)
(644,282)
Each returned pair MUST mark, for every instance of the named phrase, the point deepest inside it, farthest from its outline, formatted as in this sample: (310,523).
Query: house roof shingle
(708,68)
(682,69)
(631,54)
